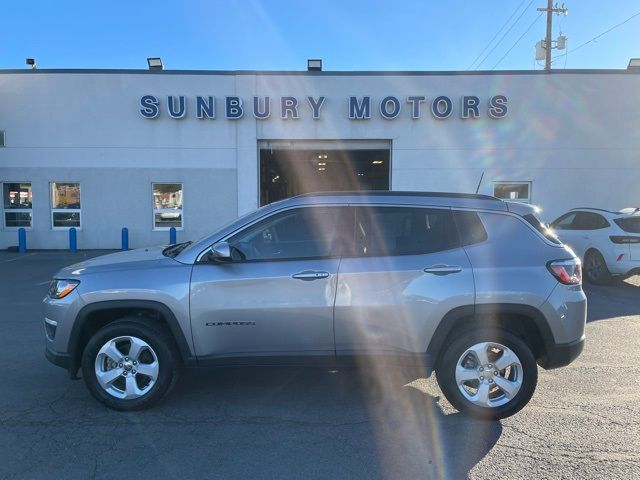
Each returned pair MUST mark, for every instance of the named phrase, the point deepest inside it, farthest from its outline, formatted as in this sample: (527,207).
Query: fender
(475,312)
(87,310)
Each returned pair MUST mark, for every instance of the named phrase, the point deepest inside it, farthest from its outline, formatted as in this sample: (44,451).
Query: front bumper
(60,359)
(59,316)
(561,354)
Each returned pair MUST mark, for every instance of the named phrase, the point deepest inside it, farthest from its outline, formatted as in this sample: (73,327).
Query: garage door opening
(289,168)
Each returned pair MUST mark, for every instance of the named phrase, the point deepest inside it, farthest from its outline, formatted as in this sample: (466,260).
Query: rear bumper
(624,267)
(561,354)
(628,273)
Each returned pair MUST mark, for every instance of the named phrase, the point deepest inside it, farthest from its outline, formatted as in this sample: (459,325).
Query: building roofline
(382,73)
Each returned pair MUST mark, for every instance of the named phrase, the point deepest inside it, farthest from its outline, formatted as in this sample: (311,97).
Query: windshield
(240,220)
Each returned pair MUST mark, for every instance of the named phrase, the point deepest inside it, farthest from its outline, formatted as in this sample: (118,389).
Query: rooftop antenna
(478,187)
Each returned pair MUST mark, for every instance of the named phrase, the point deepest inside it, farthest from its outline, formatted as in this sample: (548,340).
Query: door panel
(276,296)
(259,308)
(405,272)
(391,304)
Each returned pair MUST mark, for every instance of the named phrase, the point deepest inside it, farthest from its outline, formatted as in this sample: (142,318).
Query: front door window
(308,232)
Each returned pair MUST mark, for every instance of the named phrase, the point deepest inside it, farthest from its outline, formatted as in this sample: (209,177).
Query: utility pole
(551,9)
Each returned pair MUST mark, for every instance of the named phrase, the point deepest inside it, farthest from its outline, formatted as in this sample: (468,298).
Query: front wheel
(130,365)
(487,373)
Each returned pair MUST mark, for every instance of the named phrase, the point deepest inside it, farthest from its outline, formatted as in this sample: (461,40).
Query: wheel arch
(98,314)
(590,249)
(526,321)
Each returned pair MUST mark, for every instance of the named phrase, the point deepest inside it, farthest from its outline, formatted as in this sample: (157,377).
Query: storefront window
(17,205)
(516,191)
(65,205)
(167,206)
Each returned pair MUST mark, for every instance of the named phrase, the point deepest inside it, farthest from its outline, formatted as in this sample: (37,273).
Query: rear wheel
(595,268)
(130,365)
(487,373)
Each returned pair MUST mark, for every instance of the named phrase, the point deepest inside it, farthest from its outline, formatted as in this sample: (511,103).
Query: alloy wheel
(126,367)
(489,374)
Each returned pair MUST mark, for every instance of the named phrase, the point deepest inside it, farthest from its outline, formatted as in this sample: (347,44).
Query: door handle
(310,275)
(443,269)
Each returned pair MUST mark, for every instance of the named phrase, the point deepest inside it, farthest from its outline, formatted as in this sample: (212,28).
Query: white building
(147,150)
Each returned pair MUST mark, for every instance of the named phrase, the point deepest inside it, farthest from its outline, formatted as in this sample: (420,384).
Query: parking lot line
(18,258)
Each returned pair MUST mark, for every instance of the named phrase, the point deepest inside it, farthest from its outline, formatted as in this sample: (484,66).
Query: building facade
(149,150)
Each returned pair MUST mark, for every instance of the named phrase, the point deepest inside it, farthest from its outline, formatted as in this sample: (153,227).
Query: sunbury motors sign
(356,108)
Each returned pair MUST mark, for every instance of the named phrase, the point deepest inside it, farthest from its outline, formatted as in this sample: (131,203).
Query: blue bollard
(125,238)
(22,240)
(73,240)
(172,236)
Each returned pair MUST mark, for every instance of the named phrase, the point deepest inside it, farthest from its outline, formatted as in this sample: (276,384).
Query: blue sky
(281,35)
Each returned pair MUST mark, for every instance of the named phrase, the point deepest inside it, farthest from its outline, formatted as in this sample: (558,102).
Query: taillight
(568,272)
(624,239)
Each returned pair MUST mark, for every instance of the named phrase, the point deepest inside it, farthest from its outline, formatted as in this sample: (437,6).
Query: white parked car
(607,242)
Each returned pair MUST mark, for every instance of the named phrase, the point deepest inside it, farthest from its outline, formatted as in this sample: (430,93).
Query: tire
(499,404)
(595,268)
(157,359)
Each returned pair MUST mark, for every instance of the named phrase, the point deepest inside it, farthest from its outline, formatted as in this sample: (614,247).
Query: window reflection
(65,195)
(65,205)
(17,203)
(167,205)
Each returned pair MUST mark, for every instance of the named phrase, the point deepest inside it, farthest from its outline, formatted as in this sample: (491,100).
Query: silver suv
(467,285)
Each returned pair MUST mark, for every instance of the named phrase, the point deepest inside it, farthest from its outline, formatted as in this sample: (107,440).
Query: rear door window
(589,221)
(386,231)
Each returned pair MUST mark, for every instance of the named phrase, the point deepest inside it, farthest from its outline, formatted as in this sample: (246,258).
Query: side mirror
(220,252)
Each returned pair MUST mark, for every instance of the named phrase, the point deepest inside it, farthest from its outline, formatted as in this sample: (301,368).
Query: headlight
(60,288)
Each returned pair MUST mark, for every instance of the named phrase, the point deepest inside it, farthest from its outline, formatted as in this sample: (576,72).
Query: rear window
(629,224)
(470,226)
(539,226)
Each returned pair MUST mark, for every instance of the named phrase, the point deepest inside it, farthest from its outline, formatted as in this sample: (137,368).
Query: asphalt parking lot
(583,421)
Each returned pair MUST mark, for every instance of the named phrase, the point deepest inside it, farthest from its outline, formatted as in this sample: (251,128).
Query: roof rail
(592,208)
(392,193)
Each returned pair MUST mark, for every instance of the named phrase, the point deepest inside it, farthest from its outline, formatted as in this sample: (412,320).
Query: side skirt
(421,362)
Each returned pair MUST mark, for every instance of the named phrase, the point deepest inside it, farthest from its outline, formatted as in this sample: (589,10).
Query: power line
(517,41)
(497,33)
(505,34)
(598,36)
